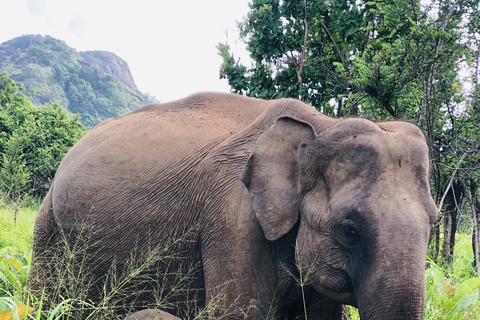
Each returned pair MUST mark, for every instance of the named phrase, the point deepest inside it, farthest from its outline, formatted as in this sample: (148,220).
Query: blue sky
(169,45)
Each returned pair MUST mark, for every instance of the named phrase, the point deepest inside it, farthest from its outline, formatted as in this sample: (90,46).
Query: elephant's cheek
(311,257)
(322,265)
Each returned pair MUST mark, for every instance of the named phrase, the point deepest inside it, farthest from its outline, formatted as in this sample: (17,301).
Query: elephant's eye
(347,234)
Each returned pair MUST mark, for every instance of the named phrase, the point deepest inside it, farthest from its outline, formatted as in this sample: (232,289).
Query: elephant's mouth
(341,291)
(347,293)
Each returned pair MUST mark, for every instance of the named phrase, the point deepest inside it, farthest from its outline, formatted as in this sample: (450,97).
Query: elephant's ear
(272,175)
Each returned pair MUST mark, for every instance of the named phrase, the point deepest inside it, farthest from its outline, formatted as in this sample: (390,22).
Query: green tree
(15,175)
(33,140)
(300,49)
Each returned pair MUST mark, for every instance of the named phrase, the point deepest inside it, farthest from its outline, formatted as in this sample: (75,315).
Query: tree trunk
(476,232)
(472,198)
(434,242)
(450,220)
(434,249)
(340,107)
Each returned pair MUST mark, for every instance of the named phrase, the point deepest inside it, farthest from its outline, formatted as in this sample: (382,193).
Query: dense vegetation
(51,71)
(33,141)
(412,60)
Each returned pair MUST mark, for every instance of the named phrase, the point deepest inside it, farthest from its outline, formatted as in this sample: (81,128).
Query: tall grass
(18,236)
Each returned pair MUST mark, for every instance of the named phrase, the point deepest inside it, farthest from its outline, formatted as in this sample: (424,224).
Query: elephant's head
(361,193)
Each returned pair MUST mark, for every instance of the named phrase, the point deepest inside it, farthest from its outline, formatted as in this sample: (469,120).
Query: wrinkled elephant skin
(242,200)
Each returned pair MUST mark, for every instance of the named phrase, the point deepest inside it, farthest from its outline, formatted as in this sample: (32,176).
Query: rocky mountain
(94,84)
(111,64)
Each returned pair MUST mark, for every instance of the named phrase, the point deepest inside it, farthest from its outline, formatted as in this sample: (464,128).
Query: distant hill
(94,84)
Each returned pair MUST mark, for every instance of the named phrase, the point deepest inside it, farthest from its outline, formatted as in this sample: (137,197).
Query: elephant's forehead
(363,158)
(374,148)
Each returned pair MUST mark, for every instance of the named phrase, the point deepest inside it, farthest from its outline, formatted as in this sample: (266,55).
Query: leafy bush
(447,301)
(14,269)
(11,308)
(33,141)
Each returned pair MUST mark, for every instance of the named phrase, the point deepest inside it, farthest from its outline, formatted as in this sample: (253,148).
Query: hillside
(94,84)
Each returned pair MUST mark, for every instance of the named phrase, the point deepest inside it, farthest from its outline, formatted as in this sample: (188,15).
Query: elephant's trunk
(393,285)
(393,298)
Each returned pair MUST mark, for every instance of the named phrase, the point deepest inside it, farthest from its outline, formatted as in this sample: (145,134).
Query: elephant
(244,208)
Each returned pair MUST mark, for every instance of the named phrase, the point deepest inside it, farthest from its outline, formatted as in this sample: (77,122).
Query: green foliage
(15,259)
(444,301)
(453,292)
(14,269)
(15,175)
(301,51)
(376,55)
(33,140)
(12,309)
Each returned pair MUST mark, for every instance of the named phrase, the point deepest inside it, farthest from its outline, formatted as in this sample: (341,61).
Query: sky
(168,45)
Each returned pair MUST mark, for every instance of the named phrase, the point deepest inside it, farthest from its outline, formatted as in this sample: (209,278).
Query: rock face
(111,64)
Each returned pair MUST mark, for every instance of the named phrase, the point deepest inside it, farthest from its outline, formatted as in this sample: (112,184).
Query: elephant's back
(132,153)
(155,135)
(173,129)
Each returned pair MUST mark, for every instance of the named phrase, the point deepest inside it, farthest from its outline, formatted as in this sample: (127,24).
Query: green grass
(18,236)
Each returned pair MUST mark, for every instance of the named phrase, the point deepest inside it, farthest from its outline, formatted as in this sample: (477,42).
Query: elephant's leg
(232,284)
(43,255)
(239,273)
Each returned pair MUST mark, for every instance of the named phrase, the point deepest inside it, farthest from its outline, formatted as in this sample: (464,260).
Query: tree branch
(340,54)
(451,181)
(455,170)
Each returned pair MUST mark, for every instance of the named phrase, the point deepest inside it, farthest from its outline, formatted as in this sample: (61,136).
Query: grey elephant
(269,209)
